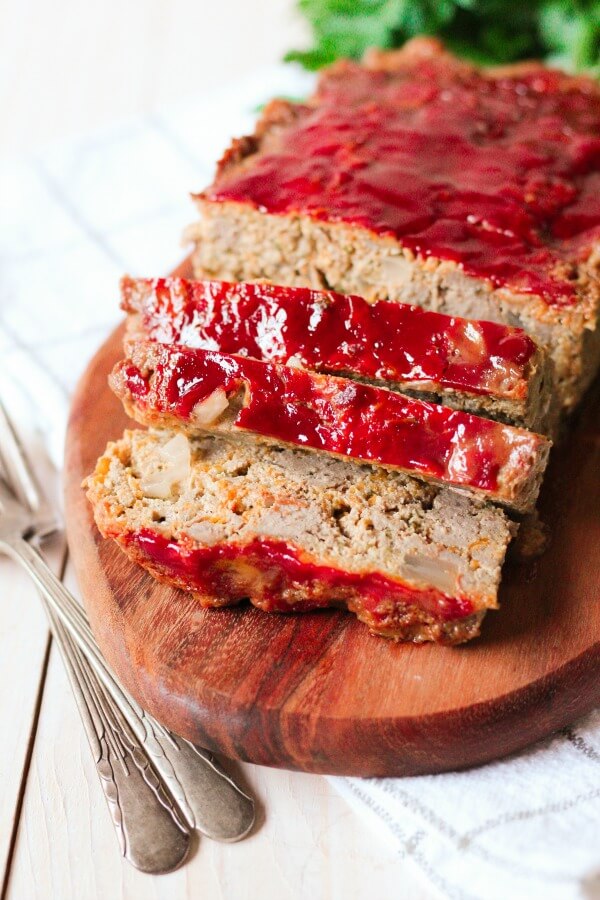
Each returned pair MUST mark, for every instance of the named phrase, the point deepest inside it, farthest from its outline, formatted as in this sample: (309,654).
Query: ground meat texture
(291,531)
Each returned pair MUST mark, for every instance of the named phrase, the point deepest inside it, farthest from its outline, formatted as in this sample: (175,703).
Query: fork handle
(147,825)
(61,601)
(207,798)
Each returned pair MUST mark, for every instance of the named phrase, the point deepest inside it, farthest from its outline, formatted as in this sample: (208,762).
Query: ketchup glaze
(336,333)
(336,415)
(267,571)
(499,174)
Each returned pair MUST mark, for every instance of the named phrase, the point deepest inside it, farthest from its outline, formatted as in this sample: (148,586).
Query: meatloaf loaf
(483,367)
(418,177)
(206,391)
(296,531)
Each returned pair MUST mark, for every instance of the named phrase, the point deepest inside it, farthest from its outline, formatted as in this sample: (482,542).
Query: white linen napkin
(74,219)
(523,827)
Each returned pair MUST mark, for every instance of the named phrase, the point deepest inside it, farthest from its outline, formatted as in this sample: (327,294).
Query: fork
(202,795)
(149,828)
(133,793)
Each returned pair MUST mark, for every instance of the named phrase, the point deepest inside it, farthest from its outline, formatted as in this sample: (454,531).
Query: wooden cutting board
(316,691)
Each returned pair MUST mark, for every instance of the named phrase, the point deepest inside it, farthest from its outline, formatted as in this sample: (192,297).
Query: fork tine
(21,479)
(16,465)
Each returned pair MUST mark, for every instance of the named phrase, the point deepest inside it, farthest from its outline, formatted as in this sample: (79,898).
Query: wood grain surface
(316,691)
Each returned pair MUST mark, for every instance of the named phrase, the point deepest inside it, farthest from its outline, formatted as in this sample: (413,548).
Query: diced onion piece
(207,533)
(396,270)
(295,361)
(170,466)
(436,573)
(207,411)
(505,378)
(468,345)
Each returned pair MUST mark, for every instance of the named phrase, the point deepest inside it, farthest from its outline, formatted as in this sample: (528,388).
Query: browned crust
(277,115)
(423,47)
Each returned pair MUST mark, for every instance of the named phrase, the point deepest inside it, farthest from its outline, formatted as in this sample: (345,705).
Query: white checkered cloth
(76,217)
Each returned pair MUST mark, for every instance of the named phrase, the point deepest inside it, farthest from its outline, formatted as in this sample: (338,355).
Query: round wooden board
(316,691)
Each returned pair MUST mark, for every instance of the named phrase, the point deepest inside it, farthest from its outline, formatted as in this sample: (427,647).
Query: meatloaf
(482,367)
(418,177)
(295,531)
(204,390)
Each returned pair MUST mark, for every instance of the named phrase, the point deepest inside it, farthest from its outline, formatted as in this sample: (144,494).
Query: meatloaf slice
(419,178)
(295,531)
(482,367)
(206,391)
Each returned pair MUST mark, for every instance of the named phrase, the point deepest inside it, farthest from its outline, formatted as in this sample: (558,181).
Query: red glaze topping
(268,570)
(336,415)
(500,174)
(335,333)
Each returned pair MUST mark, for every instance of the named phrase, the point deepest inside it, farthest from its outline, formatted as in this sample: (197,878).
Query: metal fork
(149,828)
(202,795)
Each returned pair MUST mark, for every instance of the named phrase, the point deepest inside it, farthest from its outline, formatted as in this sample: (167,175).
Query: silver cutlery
(186,780)
(151,835)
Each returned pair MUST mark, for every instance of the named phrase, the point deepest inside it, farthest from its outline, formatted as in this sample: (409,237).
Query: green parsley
(566,33)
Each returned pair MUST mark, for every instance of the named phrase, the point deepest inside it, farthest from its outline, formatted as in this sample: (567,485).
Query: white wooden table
(82,211)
